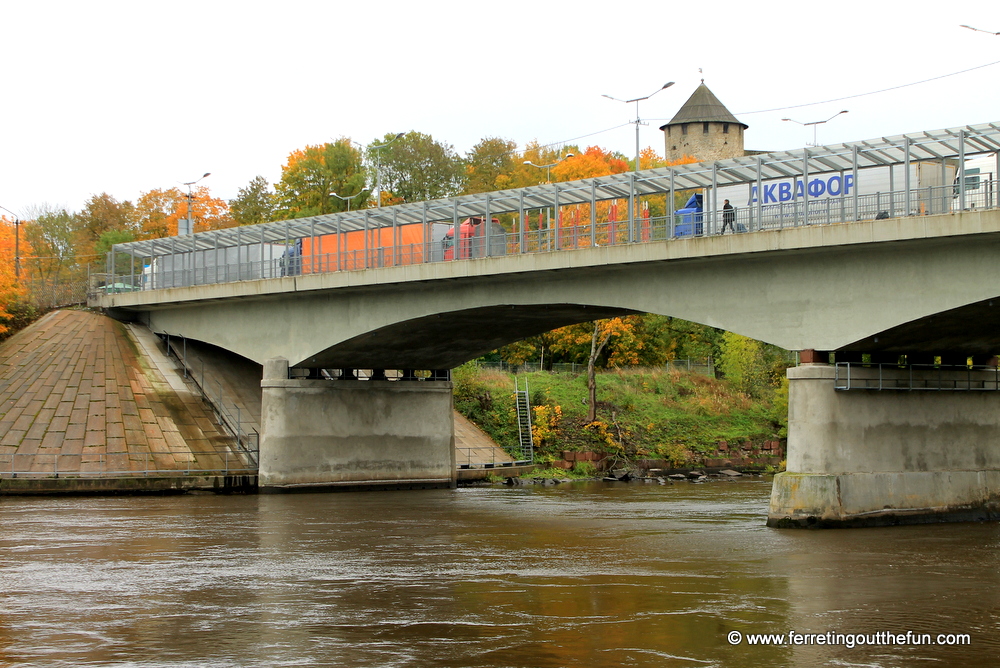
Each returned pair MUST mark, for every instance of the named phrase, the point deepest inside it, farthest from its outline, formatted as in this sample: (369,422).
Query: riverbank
(647,419)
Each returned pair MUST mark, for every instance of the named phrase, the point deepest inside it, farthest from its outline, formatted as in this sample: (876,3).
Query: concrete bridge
(868,271)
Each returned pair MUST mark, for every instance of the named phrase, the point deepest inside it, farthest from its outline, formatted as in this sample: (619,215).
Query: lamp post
(548,168)
(638,121)
(988,32)
(814,124)
(17,244)
(346,198)
(190,199)
(378,167)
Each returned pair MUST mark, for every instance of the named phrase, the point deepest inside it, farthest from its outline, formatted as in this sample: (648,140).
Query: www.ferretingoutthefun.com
(850,640)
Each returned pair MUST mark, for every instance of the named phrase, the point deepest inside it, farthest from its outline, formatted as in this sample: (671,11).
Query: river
(578,574)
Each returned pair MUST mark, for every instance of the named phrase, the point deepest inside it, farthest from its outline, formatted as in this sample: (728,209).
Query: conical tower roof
(703,106)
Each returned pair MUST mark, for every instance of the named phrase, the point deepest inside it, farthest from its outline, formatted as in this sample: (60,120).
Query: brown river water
(581,574)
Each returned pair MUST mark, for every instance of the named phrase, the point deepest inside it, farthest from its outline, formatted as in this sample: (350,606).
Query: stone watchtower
(703,128)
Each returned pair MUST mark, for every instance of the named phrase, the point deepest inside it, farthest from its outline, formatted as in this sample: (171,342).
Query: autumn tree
(312,173)
(53,273)
(12,293)
(490,165)
(416,168)
(101,213)
(254,204)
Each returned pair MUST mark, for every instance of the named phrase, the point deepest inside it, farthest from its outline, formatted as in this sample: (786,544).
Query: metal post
(338,243)
(805,186)
(427,235)
(521,221)
(854,172)
(631,207)
(715,197)
(961,167)
(312,249)
(760,194)
(555,211)
(239,254)
(671,211)
(365,265)
(906,177)
(593,213)
(456,233)
(488,223)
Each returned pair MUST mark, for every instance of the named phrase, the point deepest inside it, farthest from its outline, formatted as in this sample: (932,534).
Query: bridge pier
(349,433)
(865,457)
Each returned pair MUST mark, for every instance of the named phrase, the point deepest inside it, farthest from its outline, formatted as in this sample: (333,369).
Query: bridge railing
(575,226)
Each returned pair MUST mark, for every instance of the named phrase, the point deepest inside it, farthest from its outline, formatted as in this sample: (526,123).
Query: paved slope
(77,396)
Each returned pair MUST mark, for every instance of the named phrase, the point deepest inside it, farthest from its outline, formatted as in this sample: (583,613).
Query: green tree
(754,367)
(415,168)
(53,272)
(100,214)
(253,204)
(490,165)
(312,173)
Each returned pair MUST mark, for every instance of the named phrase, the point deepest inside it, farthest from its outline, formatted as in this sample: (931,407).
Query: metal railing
(467,459)
(121,465)
(915,377)
(572,229)
(230,418)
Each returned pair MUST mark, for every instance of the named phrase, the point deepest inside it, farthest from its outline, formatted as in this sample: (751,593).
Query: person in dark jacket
(728,217)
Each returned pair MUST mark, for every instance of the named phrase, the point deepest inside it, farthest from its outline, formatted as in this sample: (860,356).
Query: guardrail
(565,231)
(465,460)
(109,465)
(915,377)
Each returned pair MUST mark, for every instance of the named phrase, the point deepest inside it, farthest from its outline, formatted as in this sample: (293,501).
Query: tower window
(704,128)
(725,128)
(684,128)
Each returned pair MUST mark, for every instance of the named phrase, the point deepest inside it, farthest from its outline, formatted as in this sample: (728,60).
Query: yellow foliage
(545,426)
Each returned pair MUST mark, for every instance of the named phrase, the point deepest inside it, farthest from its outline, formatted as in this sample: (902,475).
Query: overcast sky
(124,97)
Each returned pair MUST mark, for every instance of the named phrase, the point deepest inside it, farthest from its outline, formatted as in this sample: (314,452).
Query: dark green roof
(703,106)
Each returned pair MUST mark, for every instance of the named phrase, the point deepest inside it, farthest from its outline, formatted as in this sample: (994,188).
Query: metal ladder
(523,408)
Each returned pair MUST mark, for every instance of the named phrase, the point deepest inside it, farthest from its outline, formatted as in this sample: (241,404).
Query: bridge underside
(444,341)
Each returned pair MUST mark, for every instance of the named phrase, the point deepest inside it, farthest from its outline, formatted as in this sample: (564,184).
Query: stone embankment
(90,405)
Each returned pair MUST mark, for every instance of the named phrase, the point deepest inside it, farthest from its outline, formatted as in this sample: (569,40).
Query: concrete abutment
(869,457)
(353,434)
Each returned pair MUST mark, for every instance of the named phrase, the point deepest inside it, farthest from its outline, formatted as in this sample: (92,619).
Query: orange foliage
(10,290)
(159,211)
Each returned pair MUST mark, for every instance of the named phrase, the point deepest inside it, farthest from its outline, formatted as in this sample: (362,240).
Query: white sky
(124,97)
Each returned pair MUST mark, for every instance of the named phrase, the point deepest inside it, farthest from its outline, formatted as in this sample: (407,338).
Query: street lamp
(346,198)
(190,198)
(548,168)
(378,167)
(815,123)
(988,32)
(17,244)
(638,121)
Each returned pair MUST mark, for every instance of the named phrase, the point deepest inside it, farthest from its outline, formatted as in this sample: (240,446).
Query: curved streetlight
(378,167)
(17,244)
(346,198)
(815,123)
(190,199)
(548,168)
(638,121)
(988,32)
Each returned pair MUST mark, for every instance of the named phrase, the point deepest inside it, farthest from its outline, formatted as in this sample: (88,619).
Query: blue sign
(775,193)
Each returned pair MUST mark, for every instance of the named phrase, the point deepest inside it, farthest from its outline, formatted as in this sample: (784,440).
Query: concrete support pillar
(371,434)
(865,457)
